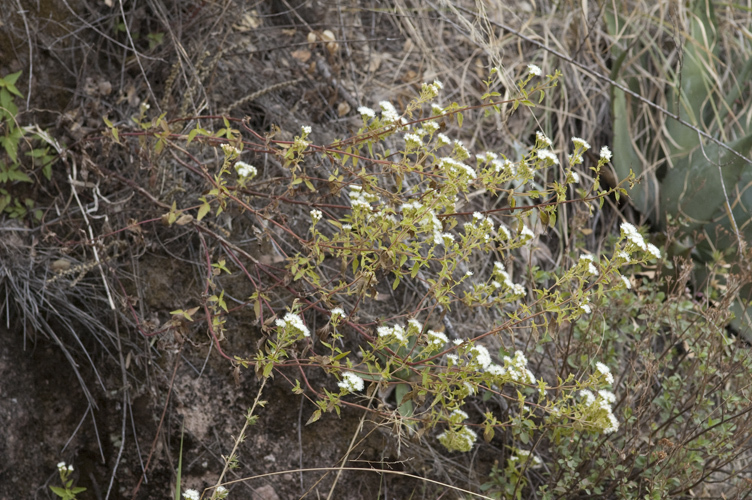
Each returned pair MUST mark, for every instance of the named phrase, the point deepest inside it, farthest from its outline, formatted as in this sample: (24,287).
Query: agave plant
(685,178)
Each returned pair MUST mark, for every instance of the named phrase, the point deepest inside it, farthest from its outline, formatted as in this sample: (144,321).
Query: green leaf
(203,210)
(59,491)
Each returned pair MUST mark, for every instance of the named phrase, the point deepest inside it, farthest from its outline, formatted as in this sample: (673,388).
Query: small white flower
(412,140)
(346,227)
(461,149)
(585,308)
(351,382)
(606,153)
(430,127)
(542,139)
(605,370)
(245,170)
(580,143)
(437,339)
(337,312)
(653,250)
(436,109)
(295,323)
(481,356)
(437,83)
(388,112)
(526,233)
(589,398)
(395,331)
(488,156)
(414,327)
(607,396)
(452,360)
(496,370)
(627,229)
(442,140)
(221,491)
(575,177)
(613,424)
(626,282)
(61,466)
(306,129)
(316,215)
(191,495)
(533,70)
(367,112)
(548,156)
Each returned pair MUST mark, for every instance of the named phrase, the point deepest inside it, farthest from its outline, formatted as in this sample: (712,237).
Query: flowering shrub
(390,216)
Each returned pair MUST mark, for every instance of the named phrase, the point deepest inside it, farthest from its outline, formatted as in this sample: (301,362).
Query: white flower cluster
(580,143)
(587,261)
(245,170)
(504,166)
(442,140)
(367,112)
(351,382)
(585,306)
(221,492)
(602,404)
(516,368)
(436,109)
(431,90)
(523,456)
(191,495)
(316,216)
(636,242)
(460,151)
(306,129)
(436,340)
(526,234)
(428,221)
(606,153)
(548,157)
(337,313)
(396,332)
(533,70)
(412,141)
(481,356)
(458,438)
(63,467)
(481,226)
(542,140)
(627,283)
(389,113)
(487,157)
(292,323)
(457,171)
(429,127)
(605,370)
(230,151)
(359,198)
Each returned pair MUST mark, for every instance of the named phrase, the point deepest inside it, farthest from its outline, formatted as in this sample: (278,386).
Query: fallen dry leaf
(302,55)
